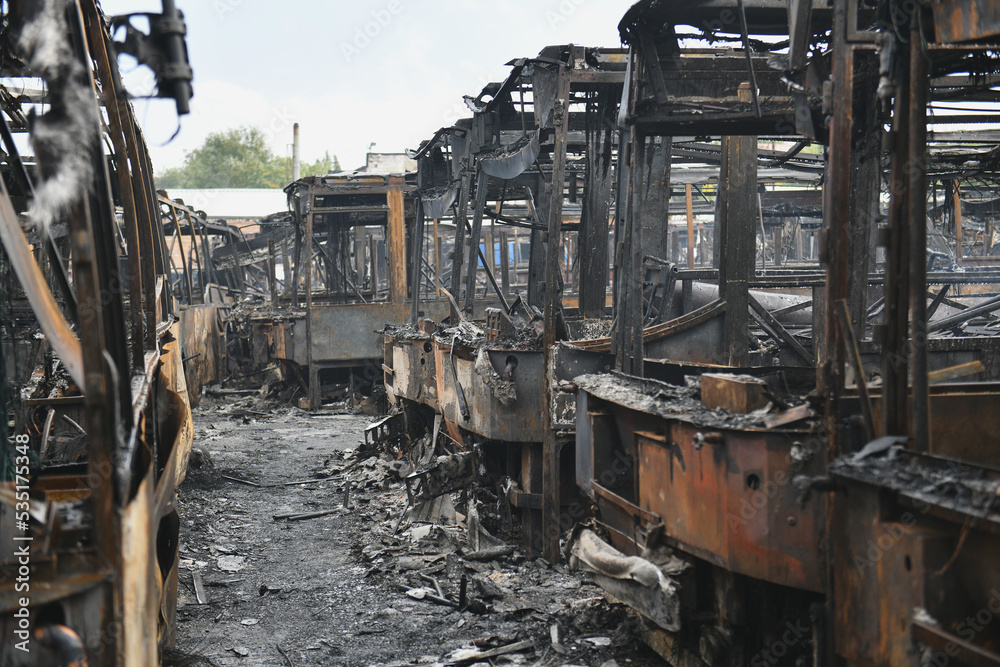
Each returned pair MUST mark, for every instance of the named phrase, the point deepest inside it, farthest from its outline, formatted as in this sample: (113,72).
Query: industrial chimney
(296,162)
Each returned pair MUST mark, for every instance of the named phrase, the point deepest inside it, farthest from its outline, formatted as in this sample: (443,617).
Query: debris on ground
(369,575)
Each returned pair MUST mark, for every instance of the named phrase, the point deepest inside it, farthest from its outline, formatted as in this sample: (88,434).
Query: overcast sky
(350,72)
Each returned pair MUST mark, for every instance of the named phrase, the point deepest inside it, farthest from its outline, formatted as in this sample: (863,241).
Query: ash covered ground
(342,588)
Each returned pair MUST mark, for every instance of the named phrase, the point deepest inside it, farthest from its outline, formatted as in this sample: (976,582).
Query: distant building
(388,163)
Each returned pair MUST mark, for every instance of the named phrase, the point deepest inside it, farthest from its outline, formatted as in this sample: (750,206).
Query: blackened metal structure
(102,427)
(854,525)
(852,464)
(353,274)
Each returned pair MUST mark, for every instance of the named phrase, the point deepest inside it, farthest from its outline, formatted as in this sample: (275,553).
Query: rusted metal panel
(964,20)
(694,337)
(697,337)
(175,428)
(964,425)
(280,340)
(414,370)
(733,392)
(348,332)
(397,244)
(522,421)
(139,578)
(964,421)
(731,504)
(201,344)
(571,362)
(897,567)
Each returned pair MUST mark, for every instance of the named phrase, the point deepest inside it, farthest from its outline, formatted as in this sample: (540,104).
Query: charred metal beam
(749,58)
(651,61)
(537,253)
(799,30)
(416,258)
(780,330)
(917,205)
(854,356)
(963,651)
(655,234)
(553,307)
(837,199)
(314,396)
(458,250)
(946,323)
(736,237)
(596,208)
(482,183)
(865,187)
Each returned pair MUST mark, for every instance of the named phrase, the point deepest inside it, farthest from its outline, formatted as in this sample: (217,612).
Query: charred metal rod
(917,213)
(307,515)
(46,431)
(746,49)
(463,590)
(243,481)
(402,515)
(437,585)
(967,314)
(854,356)
(293,483)
(512,222)
(783,333)
(490,553)
(284,655)
(72,423)
(787,155)
(876,307)
(434,598)
(454,304)
(795,307)
(936,303)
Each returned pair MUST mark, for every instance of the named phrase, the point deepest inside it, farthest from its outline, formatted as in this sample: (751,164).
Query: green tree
(237,158)
(324,165)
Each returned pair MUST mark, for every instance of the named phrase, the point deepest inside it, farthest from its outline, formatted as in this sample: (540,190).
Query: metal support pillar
(550,449)
(458,250)
(895,353)
(837,200)
(866,180)
(736,227)
(917,205)
(482,183)
(314,392)
(418,257)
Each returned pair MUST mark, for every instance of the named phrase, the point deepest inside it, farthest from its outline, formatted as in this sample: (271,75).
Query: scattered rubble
(361,578)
